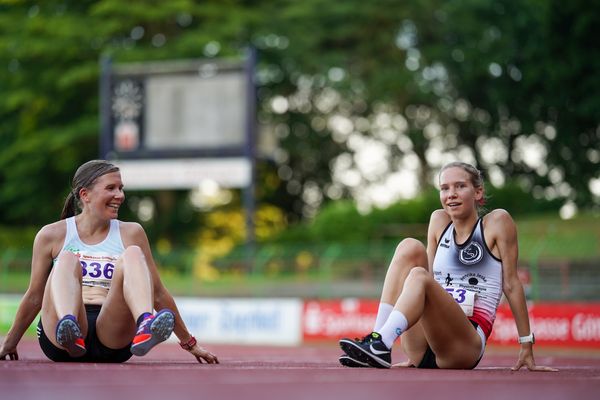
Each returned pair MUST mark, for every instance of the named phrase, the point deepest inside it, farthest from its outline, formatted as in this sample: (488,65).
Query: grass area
(324,272)
(14,281)
(548,237)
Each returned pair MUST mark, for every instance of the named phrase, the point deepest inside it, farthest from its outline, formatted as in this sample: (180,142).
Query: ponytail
(70,206)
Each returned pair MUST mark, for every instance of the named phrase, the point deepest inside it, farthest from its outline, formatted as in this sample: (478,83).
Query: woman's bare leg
(409,253)
(62,295)
(130,295)
(434,319)
(443,324)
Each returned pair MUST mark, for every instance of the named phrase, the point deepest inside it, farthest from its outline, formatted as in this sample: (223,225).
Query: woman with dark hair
(95,281)
(442,299)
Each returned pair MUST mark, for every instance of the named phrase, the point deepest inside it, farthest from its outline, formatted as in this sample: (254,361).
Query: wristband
(189,344)
(527,339)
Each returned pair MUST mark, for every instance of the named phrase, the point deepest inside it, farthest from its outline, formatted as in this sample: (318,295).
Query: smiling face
(105,196)
(458,195)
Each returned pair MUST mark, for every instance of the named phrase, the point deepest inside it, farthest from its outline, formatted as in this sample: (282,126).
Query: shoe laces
(144,323)
(367,339)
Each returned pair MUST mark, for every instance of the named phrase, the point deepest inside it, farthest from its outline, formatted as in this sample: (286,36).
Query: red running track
(289,373)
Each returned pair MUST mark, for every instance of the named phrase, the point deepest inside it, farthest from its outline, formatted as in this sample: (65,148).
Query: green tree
(508,85)
(526,70)
(49,53)
(415,82)
(48,108)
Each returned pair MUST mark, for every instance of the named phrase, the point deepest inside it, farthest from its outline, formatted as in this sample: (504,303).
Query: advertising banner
(554,324)
(243,321)
(333,319)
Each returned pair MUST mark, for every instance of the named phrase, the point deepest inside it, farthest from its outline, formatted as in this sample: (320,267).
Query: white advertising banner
(243,321)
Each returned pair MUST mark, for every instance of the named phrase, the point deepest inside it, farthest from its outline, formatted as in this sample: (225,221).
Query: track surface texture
(307,372)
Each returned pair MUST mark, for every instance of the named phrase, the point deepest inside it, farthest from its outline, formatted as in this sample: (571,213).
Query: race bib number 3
(464,298)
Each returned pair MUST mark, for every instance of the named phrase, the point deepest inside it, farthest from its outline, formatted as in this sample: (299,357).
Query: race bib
(464,298)
(97,269)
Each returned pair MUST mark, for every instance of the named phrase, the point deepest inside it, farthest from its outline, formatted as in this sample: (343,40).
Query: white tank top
(470,266)
(97,260)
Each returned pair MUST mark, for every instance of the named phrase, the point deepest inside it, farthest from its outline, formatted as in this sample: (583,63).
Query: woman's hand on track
(203,355)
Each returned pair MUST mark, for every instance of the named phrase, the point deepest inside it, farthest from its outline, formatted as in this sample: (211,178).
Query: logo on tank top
(72,249)
(473,279)
(449,280)
(471,254)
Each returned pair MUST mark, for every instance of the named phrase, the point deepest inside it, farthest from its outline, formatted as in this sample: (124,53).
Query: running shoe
(348,361)
(68,335)
(347,344)
(370,350)
(153,330)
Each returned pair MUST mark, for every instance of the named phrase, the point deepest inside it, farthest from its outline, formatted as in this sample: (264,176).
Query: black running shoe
(347,345)
(348,361)
(370,350)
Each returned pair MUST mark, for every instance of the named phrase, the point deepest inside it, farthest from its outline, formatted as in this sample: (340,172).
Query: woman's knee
(411,253)
(418,277)
(418,274)
(133,253)
(132,257)
(67,258)
(411,247)
(68,262)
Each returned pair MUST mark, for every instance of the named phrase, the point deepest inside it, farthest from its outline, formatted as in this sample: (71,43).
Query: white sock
(395,325)
(383,313)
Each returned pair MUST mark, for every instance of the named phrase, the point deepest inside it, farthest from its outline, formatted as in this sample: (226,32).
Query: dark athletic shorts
(429,361)
(96,351)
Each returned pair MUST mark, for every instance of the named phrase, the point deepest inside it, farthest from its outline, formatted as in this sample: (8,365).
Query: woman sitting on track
(443,299)
(95,281)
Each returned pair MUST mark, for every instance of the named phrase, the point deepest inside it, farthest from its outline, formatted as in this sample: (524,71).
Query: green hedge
(340,221)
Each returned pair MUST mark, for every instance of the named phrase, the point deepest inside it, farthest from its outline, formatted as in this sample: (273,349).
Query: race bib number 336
(97,270)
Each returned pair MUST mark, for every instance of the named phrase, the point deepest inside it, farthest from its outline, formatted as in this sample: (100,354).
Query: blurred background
(358,105)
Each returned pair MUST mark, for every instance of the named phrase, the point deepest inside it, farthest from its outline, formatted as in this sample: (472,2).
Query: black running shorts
(96,351)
